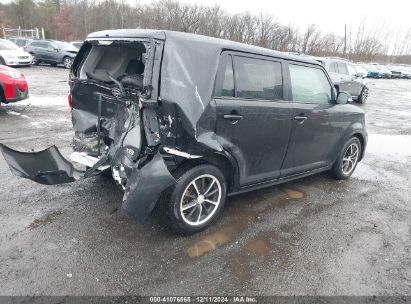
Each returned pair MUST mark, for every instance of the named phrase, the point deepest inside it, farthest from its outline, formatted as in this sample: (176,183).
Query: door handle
(234,117)
(300,119)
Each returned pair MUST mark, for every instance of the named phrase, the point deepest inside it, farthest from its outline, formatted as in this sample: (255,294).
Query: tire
(35,60)
(202,212)
(347,161)
(67,62)
(363,96)
(2,98)
(2,61)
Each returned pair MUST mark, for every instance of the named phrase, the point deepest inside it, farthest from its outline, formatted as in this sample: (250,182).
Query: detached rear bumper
(46,167)
(144,187)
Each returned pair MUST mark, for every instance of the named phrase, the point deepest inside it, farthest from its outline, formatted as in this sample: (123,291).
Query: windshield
(7,45)
(64,46)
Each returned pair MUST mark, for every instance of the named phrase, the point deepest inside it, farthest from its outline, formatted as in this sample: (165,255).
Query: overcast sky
(330,15)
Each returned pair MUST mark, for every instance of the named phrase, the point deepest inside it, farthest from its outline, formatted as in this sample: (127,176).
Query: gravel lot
(315,236)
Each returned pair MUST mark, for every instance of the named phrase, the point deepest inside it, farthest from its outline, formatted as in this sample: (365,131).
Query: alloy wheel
(67,62)
(350,158)
(200,200)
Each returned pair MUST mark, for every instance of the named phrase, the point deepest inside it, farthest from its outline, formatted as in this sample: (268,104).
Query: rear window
(258,78)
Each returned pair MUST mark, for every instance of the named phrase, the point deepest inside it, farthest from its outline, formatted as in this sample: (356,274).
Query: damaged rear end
(113,101)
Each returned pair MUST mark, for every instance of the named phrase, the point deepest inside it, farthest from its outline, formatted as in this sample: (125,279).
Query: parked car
(346,78)
(198,119)
(12,55)
(360,70)
(13,85)
(396,71)
(20,41)
(372,70)
(77,44)
(383,71)
(406,72)
(52,52)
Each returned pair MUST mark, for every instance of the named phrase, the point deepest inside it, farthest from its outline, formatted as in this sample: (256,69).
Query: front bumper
(17,95)
(18,61)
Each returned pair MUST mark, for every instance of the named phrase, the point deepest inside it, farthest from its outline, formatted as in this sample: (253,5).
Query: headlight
(9,56)
(11,74)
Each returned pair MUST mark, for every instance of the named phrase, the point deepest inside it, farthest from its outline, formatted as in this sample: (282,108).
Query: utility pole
(345,40)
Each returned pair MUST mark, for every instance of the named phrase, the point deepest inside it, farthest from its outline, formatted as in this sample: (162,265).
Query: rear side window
(42,45)
(35,44)
(309,85)
(258,79)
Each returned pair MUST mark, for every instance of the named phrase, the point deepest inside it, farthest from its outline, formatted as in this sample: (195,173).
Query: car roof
(219,43)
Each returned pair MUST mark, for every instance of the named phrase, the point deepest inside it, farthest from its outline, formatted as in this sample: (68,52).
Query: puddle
(257,247)
(11,112)
(293,194)
(213,241)
(47,219)
(242,219)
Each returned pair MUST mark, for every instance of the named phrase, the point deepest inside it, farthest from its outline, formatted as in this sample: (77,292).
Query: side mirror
(343,98)
(57,49)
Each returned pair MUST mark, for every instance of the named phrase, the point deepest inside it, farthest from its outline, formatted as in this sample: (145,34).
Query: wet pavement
(314,236)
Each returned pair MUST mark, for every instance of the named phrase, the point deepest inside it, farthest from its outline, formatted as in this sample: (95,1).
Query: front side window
(258,79)
(342,68)
(309,85)
(227,89)
(351,70)
(333,67)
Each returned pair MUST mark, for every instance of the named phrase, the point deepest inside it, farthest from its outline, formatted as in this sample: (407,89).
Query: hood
(14,53)
(6,68)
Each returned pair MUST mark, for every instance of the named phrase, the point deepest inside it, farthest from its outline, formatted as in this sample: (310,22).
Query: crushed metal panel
(145,186)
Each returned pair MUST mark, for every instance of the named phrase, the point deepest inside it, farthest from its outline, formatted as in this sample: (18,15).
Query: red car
(13,85)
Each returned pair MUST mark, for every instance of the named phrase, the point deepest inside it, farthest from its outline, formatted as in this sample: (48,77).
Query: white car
(12,55)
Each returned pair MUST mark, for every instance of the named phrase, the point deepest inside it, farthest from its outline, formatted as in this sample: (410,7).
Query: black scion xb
(181,121)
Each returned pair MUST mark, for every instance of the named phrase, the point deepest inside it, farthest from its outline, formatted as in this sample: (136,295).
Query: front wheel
(348,159)
(196,201)
(67,62)
(363,96)
(35,60)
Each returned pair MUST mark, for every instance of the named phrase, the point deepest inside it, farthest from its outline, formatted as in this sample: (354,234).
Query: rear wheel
(348,159)
(67,62)
(2,61)
(363,96)
(196,201)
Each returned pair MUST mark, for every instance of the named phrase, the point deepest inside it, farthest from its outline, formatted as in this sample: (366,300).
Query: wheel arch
(222,160)
(362,140)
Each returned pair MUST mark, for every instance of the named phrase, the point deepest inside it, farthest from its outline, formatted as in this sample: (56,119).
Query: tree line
(75,19)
